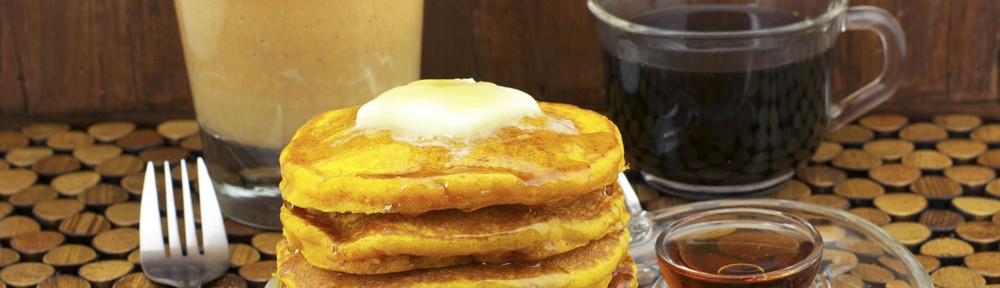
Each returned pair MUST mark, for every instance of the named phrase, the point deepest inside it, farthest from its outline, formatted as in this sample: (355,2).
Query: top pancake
(332,167)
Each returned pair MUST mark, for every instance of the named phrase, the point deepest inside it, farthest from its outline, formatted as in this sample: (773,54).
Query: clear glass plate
(841,231)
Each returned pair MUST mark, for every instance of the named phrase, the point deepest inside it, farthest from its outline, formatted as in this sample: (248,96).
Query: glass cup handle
(893,43)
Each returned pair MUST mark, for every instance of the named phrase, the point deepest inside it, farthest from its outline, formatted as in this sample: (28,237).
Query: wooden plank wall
(88,59)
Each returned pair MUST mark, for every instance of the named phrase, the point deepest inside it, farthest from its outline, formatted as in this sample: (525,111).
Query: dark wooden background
(87,60)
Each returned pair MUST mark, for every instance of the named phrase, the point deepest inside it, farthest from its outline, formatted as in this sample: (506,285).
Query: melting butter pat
(457,108)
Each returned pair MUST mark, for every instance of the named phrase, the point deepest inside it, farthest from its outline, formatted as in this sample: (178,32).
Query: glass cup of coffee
(729,97)
(739,247)
(259,69)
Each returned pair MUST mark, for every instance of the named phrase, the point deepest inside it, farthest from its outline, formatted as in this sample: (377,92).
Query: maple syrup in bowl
(739,247)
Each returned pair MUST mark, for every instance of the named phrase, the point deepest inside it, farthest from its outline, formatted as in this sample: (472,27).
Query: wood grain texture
(81,60)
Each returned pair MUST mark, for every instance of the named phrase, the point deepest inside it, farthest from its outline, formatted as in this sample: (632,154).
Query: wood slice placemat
(951,216)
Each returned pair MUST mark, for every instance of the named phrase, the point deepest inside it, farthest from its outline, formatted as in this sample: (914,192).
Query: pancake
(331,167)
(386,243)
(594,265)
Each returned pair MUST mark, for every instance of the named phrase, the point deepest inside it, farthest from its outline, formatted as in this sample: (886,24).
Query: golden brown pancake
(332,167)
(594,265)
(386,243)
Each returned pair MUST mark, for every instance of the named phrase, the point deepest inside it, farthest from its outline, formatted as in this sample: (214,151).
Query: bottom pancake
(594,265)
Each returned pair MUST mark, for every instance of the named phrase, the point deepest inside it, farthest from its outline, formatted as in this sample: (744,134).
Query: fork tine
(190,236)
(173,233)
(213,230)
(151,240)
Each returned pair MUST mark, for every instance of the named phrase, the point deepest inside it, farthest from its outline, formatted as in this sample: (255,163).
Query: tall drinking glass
(259,69)
(729,97)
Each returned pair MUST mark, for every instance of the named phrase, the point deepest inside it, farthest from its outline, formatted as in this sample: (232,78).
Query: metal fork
(175,265)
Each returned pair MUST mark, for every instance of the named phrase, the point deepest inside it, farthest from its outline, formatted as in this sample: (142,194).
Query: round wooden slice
(72,184)
(985,263)
(27,198)
(897,284)
(929,263)
(123,214)
(103,273)
(103,195)
(12,139)
(133,183)
(69,140)
(821,177)
(26,156)
(983,235)
(116,242)
(41,131)
(941,221)
(228,280)
(888,149)
(961,150)
(955,277)
(258,273)
(139,140)
(840,261)
(792,190)
(178,129)
(267,241)
(973,177)
(239,230)
(4,165)
(855,160)
(242,254)
(110,131)
(5,209)
(872,273)
(851,134)
(989,134)
(55,165)
(884,123)
(923,133)
(136,280)
(192,168)
(96,154)
(825,152)
(946,249)
(16,225)
(877,217)
(977,208)
(927,160)
(159,155)
(958,123)
(828,200)
(119,166)
(64,281)
(26,274)
(135,257)
(847,281)
(69,256)
(8,256)
(51,212)
(910,234)
(831,233)
(993,188)
(990,159)
(936,188)
(14,180)
(84,225)
(859,191)
(864,249)
(31,245)
(894,176)
(901,206)
(193,143)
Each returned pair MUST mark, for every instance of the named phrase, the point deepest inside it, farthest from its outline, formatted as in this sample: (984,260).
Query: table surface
(69,197)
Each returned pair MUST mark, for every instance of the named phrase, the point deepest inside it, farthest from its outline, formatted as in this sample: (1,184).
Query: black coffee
(726,127)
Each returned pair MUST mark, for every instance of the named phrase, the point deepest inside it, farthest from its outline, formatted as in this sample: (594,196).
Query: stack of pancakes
(532,205)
